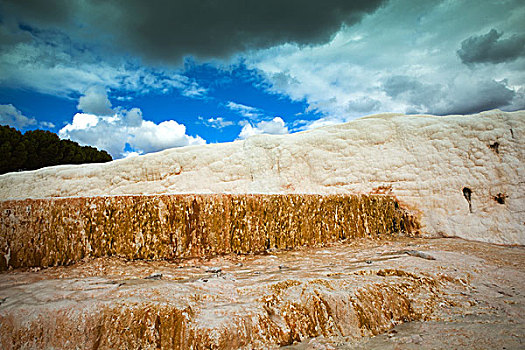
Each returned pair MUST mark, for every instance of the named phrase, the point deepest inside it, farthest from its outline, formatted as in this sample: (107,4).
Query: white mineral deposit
(464,174)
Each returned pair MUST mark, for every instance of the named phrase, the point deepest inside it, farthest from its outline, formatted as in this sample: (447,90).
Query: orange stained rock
(51,232)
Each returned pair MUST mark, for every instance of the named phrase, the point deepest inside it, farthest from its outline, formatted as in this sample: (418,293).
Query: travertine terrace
(464,174)
(315,240)
(470,296)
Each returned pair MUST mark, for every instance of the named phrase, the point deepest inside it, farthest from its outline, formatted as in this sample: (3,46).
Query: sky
(133,77)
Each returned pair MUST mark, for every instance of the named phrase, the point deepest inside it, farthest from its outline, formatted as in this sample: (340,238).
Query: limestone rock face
(463,173)
(51,232)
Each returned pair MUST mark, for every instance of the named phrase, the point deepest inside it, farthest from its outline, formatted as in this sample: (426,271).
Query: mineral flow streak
(50,232)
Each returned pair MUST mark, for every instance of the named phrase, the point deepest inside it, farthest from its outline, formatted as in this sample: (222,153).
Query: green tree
(38,148)
(12,149)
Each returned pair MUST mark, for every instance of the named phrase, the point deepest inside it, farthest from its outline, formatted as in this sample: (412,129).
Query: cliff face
(464,174)
(51,232)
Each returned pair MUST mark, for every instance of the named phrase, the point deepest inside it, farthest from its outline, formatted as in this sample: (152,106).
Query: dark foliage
(38,148)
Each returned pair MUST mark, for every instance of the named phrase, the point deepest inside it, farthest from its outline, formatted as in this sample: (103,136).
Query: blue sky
(135,77)
(211,114)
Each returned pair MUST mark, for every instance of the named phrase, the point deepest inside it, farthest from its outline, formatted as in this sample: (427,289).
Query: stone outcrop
(283,313)
(50,232)
(338,294)
(463,173)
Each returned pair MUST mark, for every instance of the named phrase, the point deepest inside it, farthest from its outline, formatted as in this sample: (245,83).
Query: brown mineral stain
(53,232)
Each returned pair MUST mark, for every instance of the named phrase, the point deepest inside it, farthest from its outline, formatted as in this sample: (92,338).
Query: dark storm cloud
(168,30)
(455,98)
(490,48)
(38,11)
(412,90)
(485,96)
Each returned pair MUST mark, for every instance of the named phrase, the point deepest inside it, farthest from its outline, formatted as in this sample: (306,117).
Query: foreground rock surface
(329,297)
(463,173)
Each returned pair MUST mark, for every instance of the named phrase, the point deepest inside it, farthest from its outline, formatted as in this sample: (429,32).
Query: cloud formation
(461,96)
(466,96)
(52,61)
(217,122)
(276,126)
(127,129)
(417,94)
(490,48)
(412,69)
(95,101)
(170,30)
(122,130)
(10,115)
(244,110)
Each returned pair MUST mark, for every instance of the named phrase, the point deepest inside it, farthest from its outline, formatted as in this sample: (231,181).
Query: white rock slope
(464,174)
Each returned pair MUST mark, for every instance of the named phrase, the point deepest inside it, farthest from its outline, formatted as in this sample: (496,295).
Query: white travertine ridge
(425,161)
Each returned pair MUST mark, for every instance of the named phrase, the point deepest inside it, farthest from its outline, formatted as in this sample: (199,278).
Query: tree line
(38,148)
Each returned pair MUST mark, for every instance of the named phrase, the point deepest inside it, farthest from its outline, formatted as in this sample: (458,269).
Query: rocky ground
(365,294)
(488,314)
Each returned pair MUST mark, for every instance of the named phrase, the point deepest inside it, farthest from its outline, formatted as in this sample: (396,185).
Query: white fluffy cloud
(276,126)
(10,115)
(124,129)
(113,133)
